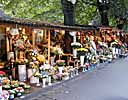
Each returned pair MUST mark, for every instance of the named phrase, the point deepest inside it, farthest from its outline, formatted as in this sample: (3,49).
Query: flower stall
(34,54)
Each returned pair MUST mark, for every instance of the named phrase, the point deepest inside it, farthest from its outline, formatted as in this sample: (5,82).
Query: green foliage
(51,10)
(84,13)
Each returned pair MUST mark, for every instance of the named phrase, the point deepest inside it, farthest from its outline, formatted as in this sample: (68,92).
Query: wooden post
(7,40)
(33,38)
(49,46)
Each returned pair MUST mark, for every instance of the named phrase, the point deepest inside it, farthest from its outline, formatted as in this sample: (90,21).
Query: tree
(68,11)
(51,10)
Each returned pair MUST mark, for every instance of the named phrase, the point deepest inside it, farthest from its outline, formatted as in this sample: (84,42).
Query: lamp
(14,31)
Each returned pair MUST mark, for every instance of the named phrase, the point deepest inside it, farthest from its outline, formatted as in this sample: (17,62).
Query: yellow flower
(41,58)
(82,49)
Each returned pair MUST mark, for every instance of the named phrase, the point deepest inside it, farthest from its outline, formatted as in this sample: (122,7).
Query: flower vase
(37,81)
(60,68)
(44,82)
(49,80)
(82,60)
(114,52)
(76,71)
(66,76)
(30,72)
(83,69)
(74,53)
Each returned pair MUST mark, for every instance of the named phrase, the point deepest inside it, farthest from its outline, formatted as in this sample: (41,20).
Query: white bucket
(22,72)
(33,79)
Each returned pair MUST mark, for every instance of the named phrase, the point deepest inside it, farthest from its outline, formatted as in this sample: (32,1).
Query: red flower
(2,73)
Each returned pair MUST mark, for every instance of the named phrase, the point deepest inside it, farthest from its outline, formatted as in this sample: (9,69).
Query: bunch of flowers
(82,51)
(6,87)
(22,61)
(26,86)
(5,81)
(20,44)
(60,62)
(40,58)
(37,74)
(12,94)
(19,91)
(14,84)
(5,95)
(75,45)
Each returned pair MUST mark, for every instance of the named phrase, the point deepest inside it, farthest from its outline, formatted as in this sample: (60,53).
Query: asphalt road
(107,82)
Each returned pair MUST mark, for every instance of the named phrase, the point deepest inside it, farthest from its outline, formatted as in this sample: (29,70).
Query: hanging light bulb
(14,31)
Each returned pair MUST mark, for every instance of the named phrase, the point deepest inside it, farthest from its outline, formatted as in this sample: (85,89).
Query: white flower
(76,44)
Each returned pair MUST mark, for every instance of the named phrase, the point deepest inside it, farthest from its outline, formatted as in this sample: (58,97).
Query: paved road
(108,82)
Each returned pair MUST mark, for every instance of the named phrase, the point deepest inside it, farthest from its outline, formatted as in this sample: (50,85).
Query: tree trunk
(104,18)
(68,11)
(103,10)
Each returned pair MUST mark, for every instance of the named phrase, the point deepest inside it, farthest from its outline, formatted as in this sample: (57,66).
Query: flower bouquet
(40,58)
(82,51)
(27,88)
(6,87)
(5,81)
(75,45)
(19,91)
(14,84)
(21,84)
(11,94)
(5,95)
(60,63)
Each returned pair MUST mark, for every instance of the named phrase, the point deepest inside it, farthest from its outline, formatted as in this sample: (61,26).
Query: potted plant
(75,45)
(60,64)
(81,53)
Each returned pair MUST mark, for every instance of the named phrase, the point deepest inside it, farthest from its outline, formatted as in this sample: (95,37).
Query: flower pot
(49,81)
(37,81)
(74,53)
(33,79)
(22,73)
(44,82)
(77,71)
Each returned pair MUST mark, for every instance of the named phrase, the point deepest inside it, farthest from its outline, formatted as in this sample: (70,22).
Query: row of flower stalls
(32,53)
